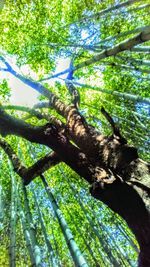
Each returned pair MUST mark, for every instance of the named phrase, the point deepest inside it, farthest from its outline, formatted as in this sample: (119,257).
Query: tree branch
(54,101)
(128,44)
(12,125)
(31,111)
(105,11)
(115,128)
(28,174)
(51,136)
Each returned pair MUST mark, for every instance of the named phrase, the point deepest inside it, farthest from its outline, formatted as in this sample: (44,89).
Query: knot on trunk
(101,177)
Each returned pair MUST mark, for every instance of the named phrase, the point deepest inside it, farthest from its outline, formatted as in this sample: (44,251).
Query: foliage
(5,91)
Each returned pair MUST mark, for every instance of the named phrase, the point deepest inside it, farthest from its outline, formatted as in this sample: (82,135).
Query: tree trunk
(76,254)
(122,34)
(34,244)
(135,98)
(26,234)
(131,201)
(13,221)
(52,259)
(105,11)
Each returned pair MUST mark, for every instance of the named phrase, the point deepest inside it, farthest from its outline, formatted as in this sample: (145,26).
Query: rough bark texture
(113,169)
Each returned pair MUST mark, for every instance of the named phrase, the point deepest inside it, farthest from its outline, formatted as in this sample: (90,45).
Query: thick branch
(19,168)
(12,125)
(78,129)
(28,174)
(103,151)
(50,136)
(25,109)
(41,166)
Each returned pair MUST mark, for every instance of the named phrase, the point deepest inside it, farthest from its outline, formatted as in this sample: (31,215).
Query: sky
(22,94)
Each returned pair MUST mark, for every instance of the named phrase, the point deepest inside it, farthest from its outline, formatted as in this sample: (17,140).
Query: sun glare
(23,95)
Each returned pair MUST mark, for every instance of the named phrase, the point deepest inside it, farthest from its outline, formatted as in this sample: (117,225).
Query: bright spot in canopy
(62,64)
(22,94)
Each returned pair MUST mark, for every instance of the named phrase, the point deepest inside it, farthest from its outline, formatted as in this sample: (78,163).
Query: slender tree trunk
(74,250)
(1,205)
(27,236)
(125,234)
(102,241)
(105,11)
(56,247)
(50,250)
(139,8)
(136,62)
(13,221)
(122,34)
(135,98)
(134,68)
(145,49)
(91,252)
(35,246)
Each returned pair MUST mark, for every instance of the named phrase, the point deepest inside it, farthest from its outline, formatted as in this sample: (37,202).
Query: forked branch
(28,174)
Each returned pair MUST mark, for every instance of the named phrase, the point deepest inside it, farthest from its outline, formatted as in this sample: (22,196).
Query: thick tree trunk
(130,199)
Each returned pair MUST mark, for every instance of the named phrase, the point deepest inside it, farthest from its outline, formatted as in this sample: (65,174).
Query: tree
(111,166)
